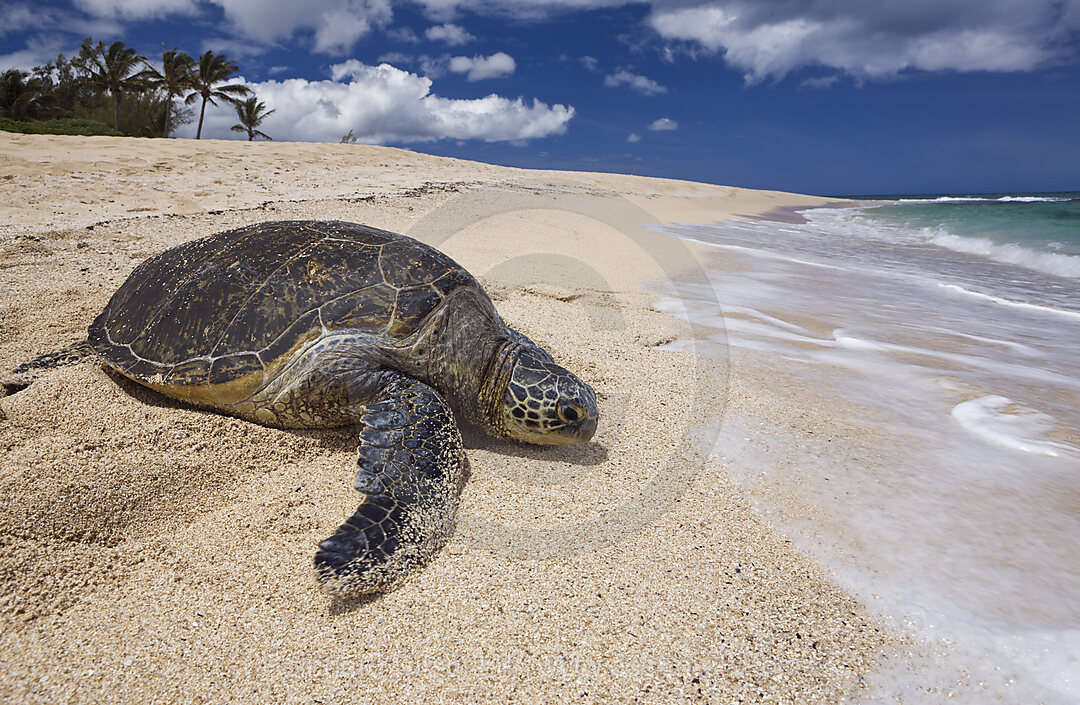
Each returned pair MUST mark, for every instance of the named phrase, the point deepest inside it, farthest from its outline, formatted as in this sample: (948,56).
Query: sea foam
(1009,302)
(1010,253)
(1003,422)
(857,223)
(987,199)
(954,520)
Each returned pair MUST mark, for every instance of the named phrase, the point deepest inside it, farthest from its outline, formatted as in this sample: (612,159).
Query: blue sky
(817,96)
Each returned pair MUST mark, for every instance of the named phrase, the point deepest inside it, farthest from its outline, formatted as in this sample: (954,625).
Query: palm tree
(112,70)
(66,89)
(251,115)
(209,72)
(174,79)
(20,98)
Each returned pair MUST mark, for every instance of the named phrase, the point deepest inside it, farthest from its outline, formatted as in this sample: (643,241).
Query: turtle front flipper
(412,468)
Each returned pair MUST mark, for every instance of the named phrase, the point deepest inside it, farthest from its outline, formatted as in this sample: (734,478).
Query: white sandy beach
(151,552)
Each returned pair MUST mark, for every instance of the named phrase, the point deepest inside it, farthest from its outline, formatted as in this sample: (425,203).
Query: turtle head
(546,403)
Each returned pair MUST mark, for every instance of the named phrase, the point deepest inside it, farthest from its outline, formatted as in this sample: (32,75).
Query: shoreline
(936,440)
(158,550)
(790,214)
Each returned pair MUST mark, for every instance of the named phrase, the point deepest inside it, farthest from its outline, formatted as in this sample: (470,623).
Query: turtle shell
(213,319)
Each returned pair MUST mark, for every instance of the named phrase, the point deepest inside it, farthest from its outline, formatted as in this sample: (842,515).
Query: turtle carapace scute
(308,324)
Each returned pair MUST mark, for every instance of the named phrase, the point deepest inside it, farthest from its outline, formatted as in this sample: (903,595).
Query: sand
(151,552)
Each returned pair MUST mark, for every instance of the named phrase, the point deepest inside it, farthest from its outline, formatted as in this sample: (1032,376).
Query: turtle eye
(569,412)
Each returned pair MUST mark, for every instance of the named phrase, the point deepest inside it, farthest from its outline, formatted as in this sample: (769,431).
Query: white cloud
(819,82)
(641,84)
(402,34)
(452,34)
(397,58)
(340,28)
(663,124)
(336,24)
(47,31)
(26,59)
(867,39)
(771,38)
(444,10)
(433,66)
(137,9)
(430,66)
(590,63)
(874,40)
(633,137)
(763,39)
(382,104)
(39,51)
(22,18)
(233,48)
(480,67)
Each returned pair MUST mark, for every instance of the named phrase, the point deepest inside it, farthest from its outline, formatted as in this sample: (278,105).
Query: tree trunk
(116,110)
(168,112)
(202,112)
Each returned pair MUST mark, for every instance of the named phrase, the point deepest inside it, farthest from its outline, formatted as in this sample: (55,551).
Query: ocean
(947,330)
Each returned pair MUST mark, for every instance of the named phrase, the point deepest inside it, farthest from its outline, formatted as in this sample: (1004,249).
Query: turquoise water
(1044,223)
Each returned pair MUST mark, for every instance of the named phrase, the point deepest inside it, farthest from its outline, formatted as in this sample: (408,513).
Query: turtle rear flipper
(412,468)
(21,377)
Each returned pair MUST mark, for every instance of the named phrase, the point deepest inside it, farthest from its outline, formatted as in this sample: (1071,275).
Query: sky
(830,97)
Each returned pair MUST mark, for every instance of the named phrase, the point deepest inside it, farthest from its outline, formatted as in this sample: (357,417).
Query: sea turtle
(311,324)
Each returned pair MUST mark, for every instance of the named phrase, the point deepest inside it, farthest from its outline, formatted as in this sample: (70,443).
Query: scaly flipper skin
(21,377)
(412,468)
(317,324)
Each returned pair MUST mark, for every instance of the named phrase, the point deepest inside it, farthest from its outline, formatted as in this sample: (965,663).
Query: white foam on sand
(1003,422)
(954,522)
(1007,302)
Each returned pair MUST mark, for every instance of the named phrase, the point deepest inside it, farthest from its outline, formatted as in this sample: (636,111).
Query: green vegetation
(251,114)
(206,76)
(114,85)
(173,79)
(60,126)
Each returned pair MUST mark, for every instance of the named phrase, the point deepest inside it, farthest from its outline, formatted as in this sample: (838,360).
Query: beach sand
(151,552)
